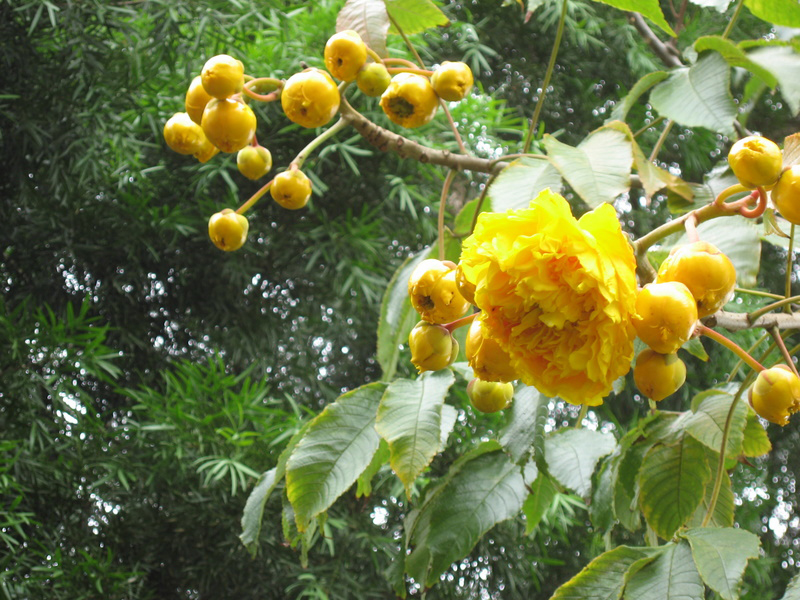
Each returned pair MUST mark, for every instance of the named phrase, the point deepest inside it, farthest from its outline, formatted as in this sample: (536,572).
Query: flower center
(401,107)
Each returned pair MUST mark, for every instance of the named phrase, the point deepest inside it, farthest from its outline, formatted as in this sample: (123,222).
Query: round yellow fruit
(756,161)
(229,124)
(486,357)
(196,99)
(452,81)
(658,375)
(228,230)
(707,272)
(222,76)
(434,294)
(786,194)
(345,54)
(490,396)
(775,395)
(291,189)
(254,162)
(373,79)
(432,347)
(310,98)
(183,135)
(666,315)
(410,100)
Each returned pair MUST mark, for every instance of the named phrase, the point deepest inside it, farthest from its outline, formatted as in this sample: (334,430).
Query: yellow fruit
(373,79)
(345,54)
(291,189)
(465,286)
(707,272)
(183,135)
(490,396)
(775,395)
(196,99)
(432,347)
(786,194)
(254,162)
(433,292)
(208,151)
(310,98)
(229,124)
(452,81)
(756,161)
(486,357)
(666,315)
(658,375)
(222,76)
(228,230)
(410,100)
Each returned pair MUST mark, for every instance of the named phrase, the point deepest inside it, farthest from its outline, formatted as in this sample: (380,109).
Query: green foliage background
(146,378)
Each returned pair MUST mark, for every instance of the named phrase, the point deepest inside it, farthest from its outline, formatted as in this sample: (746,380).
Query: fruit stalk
(254,198)
(776,337)
(317,141)
(442,205)
(730,345)
(451,327)
(753,316)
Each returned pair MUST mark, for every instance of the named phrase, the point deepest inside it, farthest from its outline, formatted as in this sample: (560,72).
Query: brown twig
(656,45)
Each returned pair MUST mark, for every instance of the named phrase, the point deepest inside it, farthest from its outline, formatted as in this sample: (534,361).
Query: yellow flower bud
(345,54)
(666,315)
(452,81)
(196,99)
(310,98)
(432,347)
(183,135)
(373,79)
(228,230)
(776,394)
(434,294)
(756,161)
(490,396)
(254,162)
(658,375)
(786,194)
(229,124)
(486,357)
(222,76)
(410,100)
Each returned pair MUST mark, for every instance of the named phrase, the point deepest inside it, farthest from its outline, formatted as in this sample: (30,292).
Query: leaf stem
(409,45)
(739,290)
(442,205)
(730,345)
(547,75)
(776,337)
(581,416)
(789,260)
(660,142)
(481,199)
(735,16)
(770,307)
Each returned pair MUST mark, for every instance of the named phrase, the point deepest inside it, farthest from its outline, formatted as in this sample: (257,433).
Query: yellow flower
(557,294)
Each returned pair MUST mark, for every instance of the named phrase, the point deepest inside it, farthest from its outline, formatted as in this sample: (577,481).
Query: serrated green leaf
(784,63)
(721,557)
(338,445)
(724,507)
(672,483)
(779,12)
(734,56)
(521,181)
(526,423)
(538,502)
(572,455)
(698,96)
(369,18)
(486,490)
(254,510)
(622,107)
(671,576)
(647,8)
(793,589)
(755,442)
(380,458)
(604,577)
(707,423)
(415,16)
(397,315)
(601,510)
(626,489)
(599,168)
(409,418)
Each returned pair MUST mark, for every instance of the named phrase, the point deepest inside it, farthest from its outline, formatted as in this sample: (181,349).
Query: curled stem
(730,345)
(254,198)
(760,207)
(399,61)
(395,70)
(442,205)
(547,75)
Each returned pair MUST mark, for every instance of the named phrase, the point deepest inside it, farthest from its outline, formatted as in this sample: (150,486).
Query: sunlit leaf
(779,12)
(721,557)
(646,82)
(415,16)
(671,576)
(734,56)
(521,181)
(525,428)
(538,502)
(369,18)
(647,8)
(784,62)
(572,455)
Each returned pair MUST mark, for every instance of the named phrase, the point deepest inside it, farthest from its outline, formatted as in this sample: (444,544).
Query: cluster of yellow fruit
(695,281)
(758,162)
(441,296)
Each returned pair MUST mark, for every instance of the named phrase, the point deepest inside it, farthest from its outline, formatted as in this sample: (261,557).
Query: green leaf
(647,8)
(622,107)
(695,347)
(604,577)
(254,510)
(707,423)
(734,56)
(538,502)
(521,181)
(364,483)
(601,509)
(486,490)
(572,454)
(784,62)
(778,12)
(415,16)
(338,446)
(721,557)
(397,315)
(672,484)
(525,427)
(409,418)
(449,417)
(369,18)
(755,442)
(723,509)
(599,168)
(698,96)
(793,589)
(671,576)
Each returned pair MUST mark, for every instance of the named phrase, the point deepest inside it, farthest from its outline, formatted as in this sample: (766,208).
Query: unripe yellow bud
(490,396)
(786,194)
(432,347)
(658,375)
(775,395)
(486,357)
(756,161)
(434,294)
(222,76)
(452,81)
(666,315)
(228,230)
